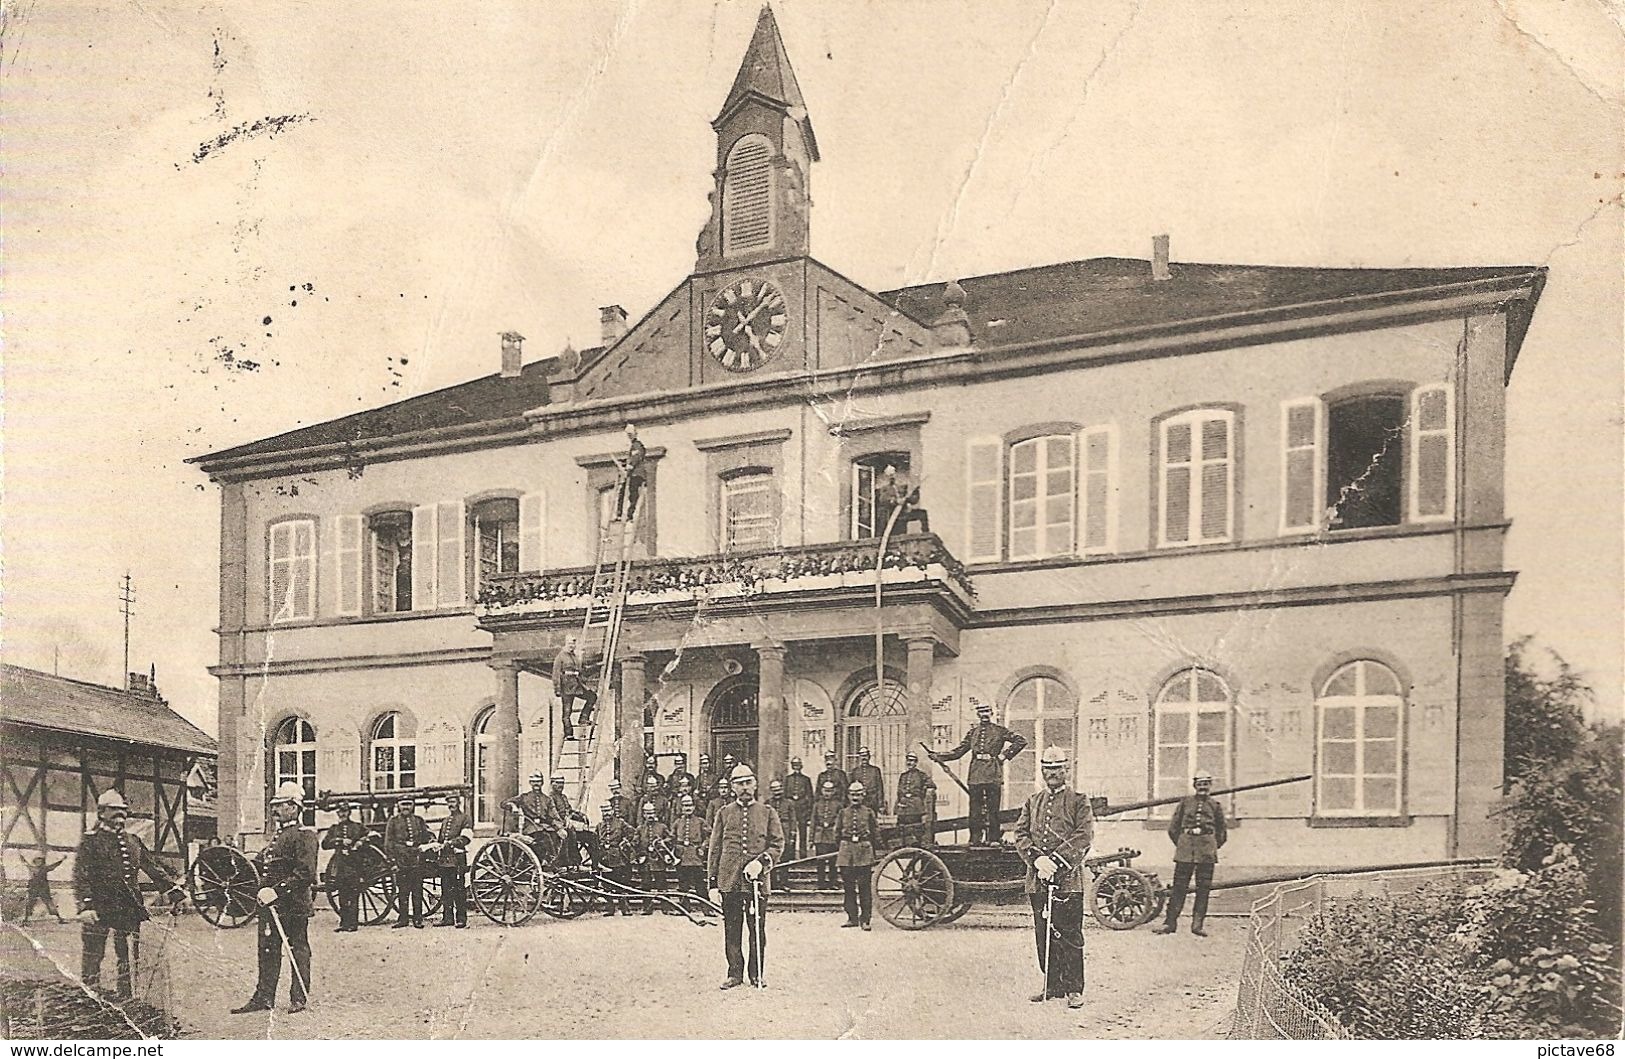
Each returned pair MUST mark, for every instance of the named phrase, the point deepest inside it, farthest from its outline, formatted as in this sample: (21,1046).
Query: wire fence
(44,997)
(1268,1006)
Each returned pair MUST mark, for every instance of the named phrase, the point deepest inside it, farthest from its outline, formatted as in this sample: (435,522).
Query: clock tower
(765,151)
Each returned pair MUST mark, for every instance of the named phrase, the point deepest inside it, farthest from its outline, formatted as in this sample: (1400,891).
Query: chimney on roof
(951,329)
(1159,258)
(144,685)
(612,324)
(512,357)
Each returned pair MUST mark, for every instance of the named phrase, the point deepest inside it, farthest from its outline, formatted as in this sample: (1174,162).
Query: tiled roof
(1108,294)
(41,700)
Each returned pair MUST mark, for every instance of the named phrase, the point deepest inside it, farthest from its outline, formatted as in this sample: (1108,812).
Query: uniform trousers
(623,877)
(453,897)
(648,880)
(736,921)
(1064,974)
(93,947)
(409,893)
(587,699)
(855,880)
(297,928)
(797,823)
(984,812)
(691,879)
(347,892)
(826,867)
(1182,881)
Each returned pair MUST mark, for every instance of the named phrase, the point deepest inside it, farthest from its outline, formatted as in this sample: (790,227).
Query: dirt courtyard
(657,977)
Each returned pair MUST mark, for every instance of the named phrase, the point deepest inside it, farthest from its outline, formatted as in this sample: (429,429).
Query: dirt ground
(657,977)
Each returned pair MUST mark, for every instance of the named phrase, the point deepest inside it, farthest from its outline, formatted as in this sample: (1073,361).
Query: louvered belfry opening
(747,199)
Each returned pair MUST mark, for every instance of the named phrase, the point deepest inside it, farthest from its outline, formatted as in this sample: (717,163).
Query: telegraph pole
(126,607)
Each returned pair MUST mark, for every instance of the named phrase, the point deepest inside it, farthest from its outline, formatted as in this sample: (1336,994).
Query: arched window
(484,747)
(1360,711)
(876,716)
(733,711)
(1043,712)
(293,754)
(1043,496)
(394,753)
(747,196)
(1192,725)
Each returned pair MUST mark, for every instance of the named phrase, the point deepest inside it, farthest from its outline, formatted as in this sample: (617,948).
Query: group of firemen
(709,829)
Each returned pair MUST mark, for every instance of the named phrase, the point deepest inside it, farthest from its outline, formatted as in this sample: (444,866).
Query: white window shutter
(278,579)
(347,564)
(1433,454)
(1097,463)
(423,557)
(452,566)
(984,524)
(533,532)
(1302,499)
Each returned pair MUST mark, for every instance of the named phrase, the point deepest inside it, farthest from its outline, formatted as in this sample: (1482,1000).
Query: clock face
(745,325)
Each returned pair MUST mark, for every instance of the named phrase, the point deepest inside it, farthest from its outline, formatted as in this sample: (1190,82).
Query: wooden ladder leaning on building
(577,757)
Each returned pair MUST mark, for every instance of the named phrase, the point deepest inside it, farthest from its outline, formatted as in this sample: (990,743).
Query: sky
(223,221)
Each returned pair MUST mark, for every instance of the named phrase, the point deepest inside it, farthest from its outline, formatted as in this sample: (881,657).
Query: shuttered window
(1042,496)
(1197,478)
(1433,455)
(984,472)
(1300,465)
(291,571)
(451,582)
(747,196)
(1098,494)
(532,532)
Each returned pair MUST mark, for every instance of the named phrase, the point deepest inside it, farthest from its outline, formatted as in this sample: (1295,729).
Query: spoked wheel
(432,896)
(1122,899)
(914,889)
(563,901)
(224,885)
(377,898)
(961,906)
(1159,900)
(506,881)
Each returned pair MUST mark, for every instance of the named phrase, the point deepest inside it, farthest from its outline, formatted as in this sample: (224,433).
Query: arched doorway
(876,716)
(732,709)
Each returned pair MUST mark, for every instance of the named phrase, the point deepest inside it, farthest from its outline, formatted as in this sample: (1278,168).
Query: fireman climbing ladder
(578,755)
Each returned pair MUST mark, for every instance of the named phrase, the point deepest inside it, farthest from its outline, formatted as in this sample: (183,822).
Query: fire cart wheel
(1159,899)
(914,889)
(506,881)
(561,901)
(1122,899)
(431,890)
(377,899)
(961,906)
(224,885)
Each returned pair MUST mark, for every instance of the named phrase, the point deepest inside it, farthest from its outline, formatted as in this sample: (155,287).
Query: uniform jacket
(688,835)
(675,777)
(990,746)
(826,821)
(857,828)
(874,786)
(1062,826)
(618,840)
(651,837)
(705,783)
(658,799)
(343,838)
(567,673)
(636,454)
(455,834)
(290,870)
(402,837)
(837,777)
(916,793)
(540,812)
(798,795)
(742,834)
(563,807)
(620,806)
(1197,829)
(107,877)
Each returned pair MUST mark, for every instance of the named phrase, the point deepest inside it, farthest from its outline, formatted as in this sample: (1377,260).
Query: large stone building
(1183,516)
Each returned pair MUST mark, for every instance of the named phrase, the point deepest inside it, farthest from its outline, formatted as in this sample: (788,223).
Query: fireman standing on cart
(989,746)
(1053,836)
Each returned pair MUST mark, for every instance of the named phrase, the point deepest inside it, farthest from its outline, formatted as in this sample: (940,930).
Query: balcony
(916,566)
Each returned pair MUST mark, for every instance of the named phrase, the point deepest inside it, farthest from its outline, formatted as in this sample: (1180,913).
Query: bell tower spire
(765,150)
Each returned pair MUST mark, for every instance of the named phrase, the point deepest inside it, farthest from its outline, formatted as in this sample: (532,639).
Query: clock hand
(746,320)
(755,342)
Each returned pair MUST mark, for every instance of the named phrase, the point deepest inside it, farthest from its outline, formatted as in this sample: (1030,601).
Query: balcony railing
(913,559)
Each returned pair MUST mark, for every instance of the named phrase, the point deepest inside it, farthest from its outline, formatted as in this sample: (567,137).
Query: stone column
(504,781)
(922,655)
(1480,726)
(772,719)
(629,715)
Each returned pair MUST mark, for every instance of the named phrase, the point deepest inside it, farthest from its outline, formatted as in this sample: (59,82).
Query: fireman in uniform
(618,803)
(1197,830)
(1053,836)
(746,840)
(653,797)
(286,904)
(679,772)
(720,795)
(654,848)
(345,838)
(404,838)
(705,781)
(990,746)
(916,802)
(617,848)
(874,785)
(450,850)
(689,833)
(538,819)
(797,814)
(858,827)
(107,889)
(833,774)
(826,832)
